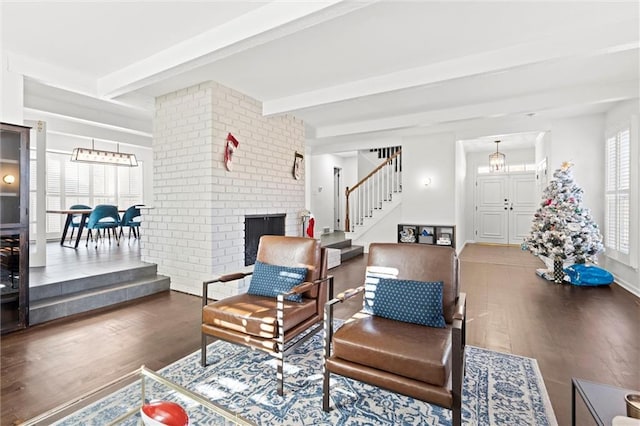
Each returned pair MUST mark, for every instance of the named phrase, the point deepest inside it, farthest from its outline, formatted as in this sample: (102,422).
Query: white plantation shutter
(617,195)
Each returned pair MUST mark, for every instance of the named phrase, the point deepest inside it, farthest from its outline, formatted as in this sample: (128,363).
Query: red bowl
(164,413)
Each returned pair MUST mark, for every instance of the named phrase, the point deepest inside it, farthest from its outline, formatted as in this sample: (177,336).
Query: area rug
(499,389)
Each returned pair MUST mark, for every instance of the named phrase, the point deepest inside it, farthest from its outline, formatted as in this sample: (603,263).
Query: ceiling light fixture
(496,160)
(93,155)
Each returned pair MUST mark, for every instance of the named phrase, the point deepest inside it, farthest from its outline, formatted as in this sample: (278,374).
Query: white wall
(627,276)
(431,156)
(581,141)
(461,196)
(196,230)
(12,90)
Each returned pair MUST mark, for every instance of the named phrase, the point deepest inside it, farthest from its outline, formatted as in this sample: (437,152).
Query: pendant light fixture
(496,160)
(93,155)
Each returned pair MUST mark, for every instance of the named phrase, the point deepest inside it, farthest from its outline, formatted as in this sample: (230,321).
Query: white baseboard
(627,286)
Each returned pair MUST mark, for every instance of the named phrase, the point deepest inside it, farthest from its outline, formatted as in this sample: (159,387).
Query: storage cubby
(441,235)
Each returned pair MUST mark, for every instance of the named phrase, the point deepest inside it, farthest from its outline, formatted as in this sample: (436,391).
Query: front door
(505,205)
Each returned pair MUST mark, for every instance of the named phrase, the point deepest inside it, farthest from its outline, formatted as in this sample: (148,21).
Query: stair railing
(368,194)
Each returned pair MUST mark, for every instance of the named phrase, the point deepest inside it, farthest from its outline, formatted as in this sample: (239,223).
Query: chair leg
(456,414)
(203,351)
(325,389)
(280,343)
(328,335)
(72,231)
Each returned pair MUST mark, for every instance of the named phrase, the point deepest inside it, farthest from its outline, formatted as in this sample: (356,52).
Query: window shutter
(617,195)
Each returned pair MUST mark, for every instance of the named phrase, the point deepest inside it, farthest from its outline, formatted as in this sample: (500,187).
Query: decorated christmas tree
(562,229)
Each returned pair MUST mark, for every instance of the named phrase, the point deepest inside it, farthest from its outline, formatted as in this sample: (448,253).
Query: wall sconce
(9,179)
(427,181)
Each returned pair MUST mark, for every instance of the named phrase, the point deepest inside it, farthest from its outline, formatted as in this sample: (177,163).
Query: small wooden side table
(604,402)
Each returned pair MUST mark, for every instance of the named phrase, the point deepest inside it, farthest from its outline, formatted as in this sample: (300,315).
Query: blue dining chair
(75,221)
(105,218)
(129,219)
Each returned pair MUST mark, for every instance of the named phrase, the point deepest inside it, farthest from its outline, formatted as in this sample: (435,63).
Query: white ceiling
(358,73)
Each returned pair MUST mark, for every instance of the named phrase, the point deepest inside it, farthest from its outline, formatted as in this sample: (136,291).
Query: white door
(491,209)
(505,205)
(522,205)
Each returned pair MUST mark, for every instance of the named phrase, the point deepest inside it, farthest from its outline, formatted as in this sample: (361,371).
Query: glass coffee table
(119,403)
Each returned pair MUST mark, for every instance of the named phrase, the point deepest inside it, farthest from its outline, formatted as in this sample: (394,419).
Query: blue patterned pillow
(272,280)
(406,300)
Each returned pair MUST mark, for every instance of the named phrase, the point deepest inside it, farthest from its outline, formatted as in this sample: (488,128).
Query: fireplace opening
(255,226)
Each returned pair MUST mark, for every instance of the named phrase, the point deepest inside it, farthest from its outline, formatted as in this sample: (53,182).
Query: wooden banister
(349,191)
(373,172)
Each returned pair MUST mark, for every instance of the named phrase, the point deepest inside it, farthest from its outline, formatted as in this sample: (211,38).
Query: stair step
(84,283)
(55,307)
(350,252)
(338,244)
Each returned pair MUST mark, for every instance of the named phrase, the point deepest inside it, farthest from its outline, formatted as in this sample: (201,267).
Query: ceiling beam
(521,105)
(261,25)
(91,130)
(605,40)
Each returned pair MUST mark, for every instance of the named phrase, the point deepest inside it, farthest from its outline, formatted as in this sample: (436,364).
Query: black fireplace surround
(255,226)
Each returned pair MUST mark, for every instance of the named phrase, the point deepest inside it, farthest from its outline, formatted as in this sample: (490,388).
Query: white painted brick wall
(196,230)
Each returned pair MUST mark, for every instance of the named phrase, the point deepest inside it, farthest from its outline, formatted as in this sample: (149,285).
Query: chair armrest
(305,286)
(348,294)
(461,307)
(301,288)
(221,279)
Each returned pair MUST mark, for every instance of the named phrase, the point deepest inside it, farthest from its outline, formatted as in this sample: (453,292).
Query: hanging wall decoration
(231,146)
(297,165)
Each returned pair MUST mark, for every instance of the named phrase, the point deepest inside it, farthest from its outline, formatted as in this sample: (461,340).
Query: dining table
(81,225)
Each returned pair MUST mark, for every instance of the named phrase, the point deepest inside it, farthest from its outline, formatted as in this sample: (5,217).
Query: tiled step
(71,303)
(350,252)
(87,283)
(338,244)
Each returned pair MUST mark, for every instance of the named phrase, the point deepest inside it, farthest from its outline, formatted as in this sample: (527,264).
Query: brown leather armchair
(423,362)
(267,323)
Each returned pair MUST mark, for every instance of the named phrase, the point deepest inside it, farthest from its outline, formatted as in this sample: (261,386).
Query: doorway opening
(337,198)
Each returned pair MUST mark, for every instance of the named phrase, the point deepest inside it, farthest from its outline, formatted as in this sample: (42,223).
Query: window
(71,183)
(617,196)
(520,167)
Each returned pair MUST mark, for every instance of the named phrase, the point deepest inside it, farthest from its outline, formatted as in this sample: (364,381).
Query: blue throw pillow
(416,302)
(272,280)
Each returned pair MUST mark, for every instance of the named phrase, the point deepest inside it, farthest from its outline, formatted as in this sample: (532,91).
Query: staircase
(57,300)
(340,248)
(376,195)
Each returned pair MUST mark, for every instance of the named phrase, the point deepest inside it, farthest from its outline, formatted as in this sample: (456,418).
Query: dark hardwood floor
(591,333)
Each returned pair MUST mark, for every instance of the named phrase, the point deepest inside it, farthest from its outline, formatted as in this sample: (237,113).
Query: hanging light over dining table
(117,158)
(497,160)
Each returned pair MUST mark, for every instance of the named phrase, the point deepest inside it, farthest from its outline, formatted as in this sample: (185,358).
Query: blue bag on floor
(588,275)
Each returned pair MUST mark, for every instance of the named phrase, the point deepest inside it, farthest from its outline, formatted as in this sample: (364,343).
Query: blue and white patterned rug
(499,389)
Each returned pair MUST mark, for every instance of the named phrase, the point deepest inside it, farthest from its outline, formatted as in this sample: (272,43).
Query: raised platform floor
(86,278)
